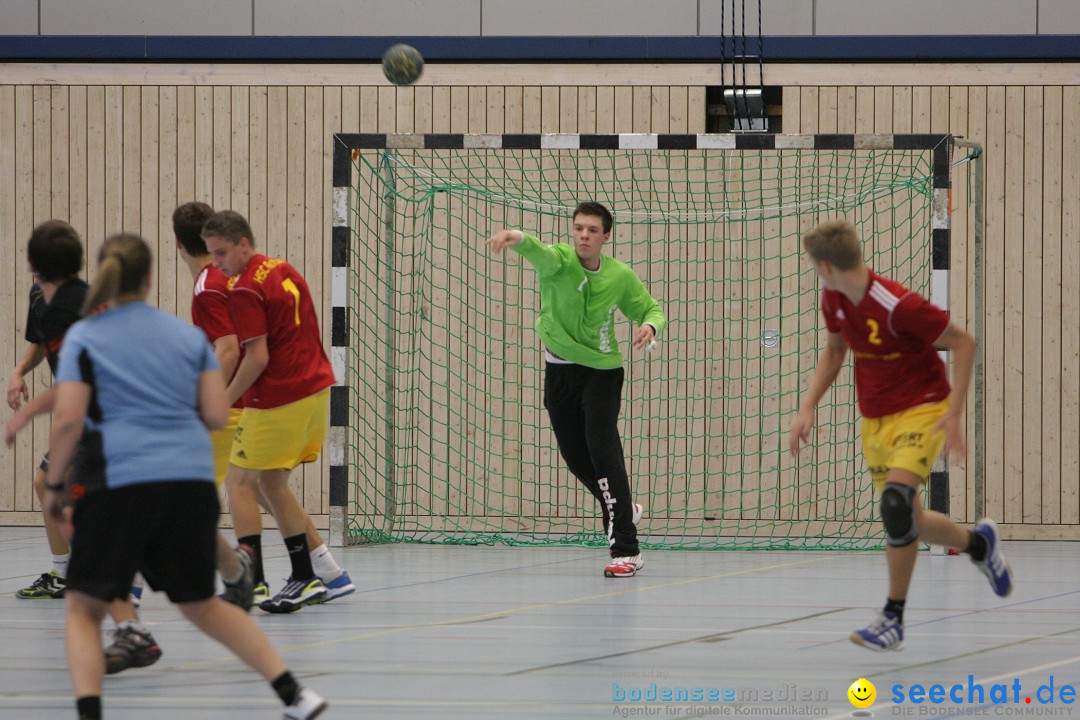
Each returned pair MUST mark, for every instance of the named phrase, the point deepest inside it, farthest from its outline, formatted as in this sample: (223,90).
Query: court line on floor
(944,618)
(712,637)
(982,681)
(526,608)
(980,651)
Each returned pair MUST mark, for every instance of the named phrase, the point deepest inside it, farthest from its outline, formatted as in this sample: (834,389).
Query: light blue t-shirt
(143,365)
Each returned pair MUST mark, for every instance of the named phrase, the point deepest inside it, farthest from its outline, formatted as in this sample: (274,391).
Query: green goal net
(447,440)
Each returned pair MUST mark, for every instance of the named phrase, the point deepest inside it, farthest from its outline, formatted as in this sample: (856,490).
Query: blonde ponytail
(106,285)
(123,266)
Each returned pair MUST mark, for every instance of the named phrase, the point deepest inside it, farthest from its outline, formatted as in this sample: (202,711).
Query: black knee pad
(898,514)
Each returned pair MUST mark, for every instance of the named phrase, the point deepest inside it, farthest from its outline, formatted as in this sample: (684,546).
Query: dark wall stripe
(448,141)
(834,142)
(595,48)
(339,485)
(339,246)
(342,172)
(939,491)
(676,142)
(755,142)
(599,142)
(942,157)
(941,249)
(355,141)
(339,406)
(339,327)
(521,142)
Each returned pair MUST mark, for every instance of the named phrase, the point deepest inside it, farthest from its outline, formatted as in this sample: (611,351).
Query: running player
(909,413)
(55,256)
(144,408)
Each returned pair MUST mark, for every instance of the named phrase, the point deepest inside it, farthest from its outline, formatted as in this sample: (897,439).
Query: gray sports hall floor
(499,632)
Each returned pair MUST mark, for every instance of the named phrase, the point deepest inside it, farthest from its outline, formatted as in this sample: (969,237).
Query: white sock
(324,564)
(60,563)
(134,625)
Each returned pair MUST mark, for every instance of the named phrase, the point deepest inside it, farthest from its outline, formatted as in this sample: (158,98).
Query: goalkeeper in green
(580,288)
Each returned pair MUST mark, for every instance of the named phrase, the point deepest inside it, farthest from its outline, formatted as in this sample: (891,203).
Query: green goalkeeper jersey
(577,306)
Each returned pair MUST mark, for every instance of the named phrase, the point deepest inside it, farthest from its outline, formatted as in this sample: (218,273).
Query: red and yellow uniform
(901,382)
(285,411)
(210,313)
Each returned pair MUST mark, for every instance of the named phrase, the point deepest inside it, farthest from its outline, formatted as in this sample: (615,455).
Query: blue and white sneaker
(994,566)
(136,595)
(338,587)
(295,595)
(885,633)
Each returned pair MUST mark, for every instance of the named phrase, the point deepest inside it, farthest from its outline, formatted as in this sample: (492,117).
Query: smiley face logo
(862,693)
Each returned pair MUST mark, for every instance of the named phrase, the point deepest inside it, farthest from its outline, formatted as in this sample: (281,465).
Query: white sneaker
(309,704)
(637,514)
(624,566)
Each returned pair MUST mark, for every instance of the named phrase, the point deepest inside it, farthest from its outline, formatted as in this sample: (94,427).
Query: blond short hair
(835,242)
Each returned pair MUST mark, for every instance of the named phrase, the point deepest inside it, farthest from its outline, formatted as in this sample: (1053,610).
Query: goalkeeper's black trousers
(583,404)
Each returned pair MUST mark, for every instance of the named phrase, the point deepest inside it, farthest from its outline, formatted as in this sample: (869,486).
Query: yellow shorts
(283,437)
(221,440)
(903,440)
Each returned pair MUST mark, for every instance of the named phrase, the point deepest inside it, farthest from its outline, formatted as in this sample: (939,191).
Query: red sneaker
(624,566)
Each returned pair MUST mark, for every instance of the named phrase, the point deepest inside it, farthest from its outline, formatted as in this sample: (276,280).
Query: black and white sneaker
(131,648)
(242,592)
(309,704)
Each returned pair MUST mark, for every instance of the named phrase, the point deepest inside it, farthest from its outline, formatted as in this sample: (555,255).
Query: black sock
(286,687)
(976,546)
(896,607)
(255,543)
(300,557)
(89,707)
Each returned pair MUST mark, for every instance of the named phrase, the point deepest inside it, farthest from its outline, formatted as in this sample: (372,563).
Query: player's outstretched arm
(504,239)
(829,363)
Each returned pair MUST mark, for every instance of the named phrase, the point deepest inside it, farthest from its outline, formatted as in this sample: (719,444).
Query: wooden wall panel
(13,279)
(1069,407)
(118,148)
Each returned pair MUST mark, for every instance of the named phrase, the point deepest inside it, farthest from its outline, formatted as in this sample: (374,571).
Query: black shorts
(165,530)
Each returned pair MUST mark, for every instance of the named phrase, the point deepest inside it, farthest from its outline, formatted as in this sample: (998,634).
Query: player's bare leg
(51,584)
(57,544)
(303,587)
(242,487)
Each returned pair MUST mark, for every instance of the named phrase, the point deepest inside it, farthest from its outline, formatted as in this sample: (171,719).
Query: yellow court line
(524,608)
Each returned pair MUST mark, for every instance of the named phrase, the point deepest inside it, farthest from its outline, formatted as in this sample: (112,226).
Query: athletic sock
(286,687)
(299,557)
(255,543)
(976,546)
(60,564)
(324,564)
(89,707)
(896,607)
(134,625)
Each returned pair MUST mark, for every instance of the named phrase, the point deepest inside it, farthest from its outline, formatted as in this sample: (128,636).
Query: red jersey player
(283,380)
(909,413)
